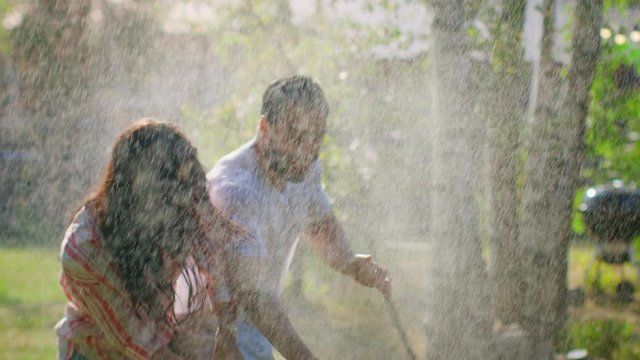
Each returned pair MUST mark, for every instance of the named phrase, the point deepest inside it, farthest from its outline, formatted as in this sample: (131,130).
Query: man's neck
(263,163)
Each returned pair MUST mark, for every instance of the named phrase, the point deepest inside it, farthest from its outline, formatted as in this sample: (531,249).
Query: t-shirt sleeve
(242,206)
(319,206)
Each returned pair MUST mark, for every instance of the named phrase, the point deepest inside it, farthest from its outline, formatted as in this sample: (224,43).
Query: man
(271,188)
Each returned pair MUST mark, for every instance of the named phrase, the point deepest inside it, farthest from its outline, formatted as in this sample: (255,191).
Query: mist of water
(204,67)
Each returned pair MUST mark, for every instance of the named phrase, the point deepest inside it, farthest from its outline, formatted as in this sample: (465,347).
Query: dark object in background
(626,77)
(624,292)
(576,296)
(612,216)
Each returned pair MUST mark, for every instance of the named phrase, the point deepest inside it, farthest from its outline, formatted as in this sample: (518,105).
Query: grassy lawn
(31,302)
(337,320)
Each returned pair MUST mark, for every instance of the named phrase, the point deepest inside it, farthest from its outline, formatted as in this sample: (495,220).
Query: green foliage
(51,54)
(610,276)
(613,126)
(621,5)
(217,132)
(603,338)
(627,351)
(31,302)
(577,222)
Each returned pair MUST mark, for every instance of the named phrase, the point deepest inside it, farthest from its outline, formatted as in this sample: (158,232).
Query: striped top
(100,322)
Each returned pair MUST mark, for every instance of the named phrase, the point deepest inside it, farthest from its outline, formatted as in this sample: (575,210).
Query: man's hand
(370,274)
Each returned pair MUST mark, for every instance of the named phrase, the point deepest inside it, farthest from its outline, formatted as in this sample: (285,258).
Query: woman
(148,221)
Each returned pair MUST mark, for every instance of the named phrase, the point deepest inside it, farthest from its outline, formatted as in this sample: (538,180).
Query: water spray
(398,325)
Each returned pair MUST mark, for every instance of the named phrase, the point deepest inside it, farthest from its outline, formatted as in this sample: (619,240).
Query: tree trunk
(458,316)
(505,112)
(572,123)
(51,58)
(553,166)
(62,57)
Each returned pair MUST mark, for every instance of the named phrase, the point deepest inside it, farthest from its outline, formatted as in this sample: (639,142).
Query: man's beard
(280,165)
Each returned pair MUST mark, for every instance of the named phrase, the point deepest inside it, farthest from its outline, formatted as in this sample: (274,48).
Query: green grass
(31,302)
(352,319)
(605,327)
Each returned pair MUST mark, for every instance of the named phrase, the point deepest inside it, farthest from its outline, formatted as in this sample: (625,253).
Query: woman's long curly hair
(153,212)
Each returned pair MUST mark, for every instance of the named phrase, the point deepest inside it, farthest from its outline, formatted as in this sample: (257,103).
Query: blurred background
(462,138)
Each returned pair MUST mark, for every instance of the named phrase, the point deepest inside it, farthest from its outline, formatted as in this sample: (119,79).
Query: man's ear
(263,127)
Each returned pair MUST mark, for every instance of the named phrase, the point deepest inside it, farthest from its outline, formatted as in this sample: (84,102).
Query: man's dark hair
(297,92)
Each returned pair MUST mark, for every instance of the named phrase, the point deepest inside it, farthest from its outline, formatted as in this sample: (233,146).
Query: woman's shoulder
(80,241)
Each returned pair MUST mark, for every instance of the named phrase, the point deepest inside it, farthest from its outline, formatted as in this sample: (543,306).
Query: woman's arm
(134,337)
(96,289)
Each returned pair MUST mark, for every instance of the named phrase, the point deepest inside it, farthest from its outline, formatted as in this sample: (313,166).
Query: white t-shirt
(273,218)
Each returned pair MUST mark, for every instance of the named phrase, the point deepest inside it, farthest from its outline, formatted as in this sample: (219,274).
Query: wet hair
(297,92)
(153,227)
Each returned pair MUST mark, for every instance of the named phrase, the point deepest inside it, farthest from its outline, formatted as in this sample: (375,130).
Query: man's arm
(244,266)
(265,311)
(327,238)
(269,317)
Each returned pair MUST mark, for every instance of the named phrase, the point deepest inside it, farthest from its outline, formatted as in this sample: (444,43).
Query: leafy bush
(604,338)
(613,125)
